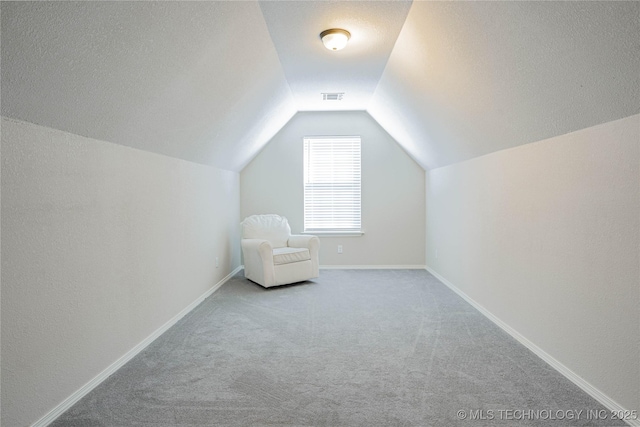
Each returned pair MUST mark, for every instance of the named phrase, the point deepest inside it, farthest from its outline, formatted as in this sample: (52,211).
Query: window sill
(334,233)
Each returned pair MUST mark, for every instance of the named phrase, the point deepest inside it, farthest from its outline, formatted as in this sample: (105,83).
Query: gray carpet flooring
(352,348)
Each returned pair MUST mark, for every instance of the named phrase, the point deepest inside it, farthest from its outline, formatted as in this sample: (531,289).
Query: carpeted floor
(353,348)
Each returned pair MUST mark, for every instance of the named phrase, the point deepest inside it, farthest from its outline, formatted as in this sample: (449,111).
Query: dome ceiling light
(335,38)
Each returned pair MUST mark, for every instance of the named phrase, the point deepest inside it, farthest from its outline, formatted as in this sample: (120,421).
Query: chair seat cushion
(288,255)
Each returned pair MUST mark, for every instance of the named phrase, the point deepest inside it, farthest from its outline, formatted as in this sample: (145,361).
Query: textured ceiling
(211,82)
(470,78)
(195,80)
(311,69)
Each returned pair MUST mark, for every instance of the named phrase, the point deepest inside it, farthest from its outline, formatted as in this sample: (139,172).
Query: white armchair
(272,256)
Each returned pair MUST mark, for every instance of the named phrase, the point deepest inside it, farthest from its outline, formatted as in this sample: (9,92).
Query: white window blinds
(332,184)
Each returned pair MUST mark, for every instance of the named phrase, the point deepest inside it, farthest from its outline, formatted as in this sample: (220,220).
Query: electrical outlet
(339,249)
(217,262)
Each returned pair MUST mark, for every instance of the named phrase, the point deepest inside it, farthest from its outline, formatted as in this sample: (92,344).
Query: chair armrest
(258,261)
(303,241)
(261,246)
(310,242)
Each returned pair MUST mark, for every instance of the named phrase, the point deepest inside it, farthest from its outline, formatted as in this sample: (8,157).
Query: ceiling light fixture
(335,38)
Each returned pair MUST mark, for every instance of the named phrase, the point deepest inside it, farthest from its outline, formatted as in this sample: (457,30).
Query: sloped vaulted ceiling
(470,78)
(211,82)
(199,81)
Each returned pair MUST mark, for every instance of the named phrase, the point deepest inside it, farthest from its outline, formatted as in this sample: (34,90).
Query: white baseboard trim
(372,267)
(98,379)
(592,391)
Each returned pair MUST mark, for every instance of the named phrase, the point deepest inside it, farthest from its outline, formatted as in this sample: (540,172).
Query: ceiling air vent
(336,96)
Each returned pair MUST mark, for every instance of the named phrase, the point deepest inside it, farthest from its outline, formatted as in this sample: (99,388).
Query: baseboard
(372,267)
(592,391)
(93,383)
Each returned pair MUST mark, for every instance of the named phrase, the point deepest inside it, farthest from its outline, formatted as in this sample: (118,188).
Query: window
(332,184)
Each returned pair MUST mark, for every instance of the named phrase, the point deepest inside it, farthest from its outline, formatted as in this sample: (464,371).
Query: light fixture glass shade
(335,38)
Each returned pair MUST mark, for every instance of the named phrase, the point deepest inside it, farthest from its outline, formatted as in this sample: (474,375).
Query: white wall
(393,198)
(101,245)
(546,237)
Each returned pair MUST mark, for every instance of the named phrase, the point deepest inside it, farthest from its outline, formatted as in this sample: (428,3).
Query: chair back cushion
(274,228)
